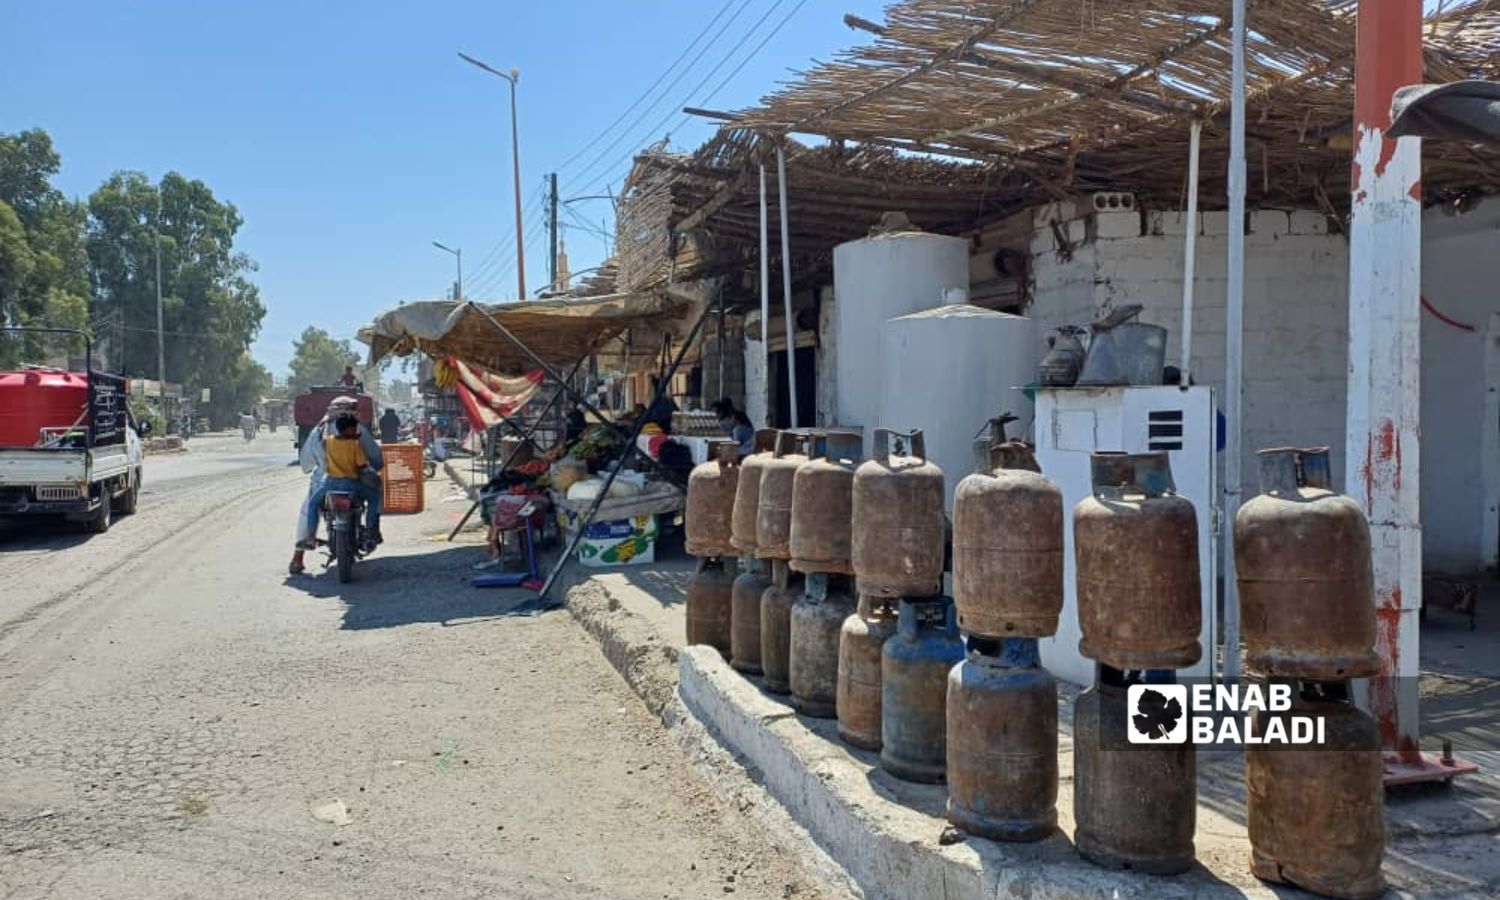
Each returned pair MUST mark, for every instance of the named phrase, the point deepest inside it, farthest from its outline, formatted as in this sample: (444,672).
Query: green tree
(318,359)
(44,278)
(211,310)
(241,384)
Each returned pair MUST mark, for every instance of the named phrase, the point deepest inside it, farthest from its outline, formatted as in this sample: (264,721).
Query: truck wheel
(98,520)
(129,499)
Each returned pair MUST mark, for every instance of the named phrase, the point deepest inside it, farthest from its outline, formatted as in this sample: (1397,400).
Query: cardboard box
(622,542)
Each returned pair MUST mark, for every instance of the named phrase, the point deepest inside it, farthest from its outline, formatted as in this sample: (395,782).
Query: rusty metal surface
(1002,742)
(861,640)
(710,606)
(817,621)
(914,689)
(1008,554)
(709,516)
(744,620)
(899,530)
(1134,808)
(1135,544)
(747,493)
(1316,815)
(1302,556)
(776,627)
(822,517)
(773,517)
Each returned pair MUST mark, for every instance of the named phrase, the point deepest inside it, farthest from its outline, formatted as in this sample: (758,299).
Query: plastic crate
(404,491)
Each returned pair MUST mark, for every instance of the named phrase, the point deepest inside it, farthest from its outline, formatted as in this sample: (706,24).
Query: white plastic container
(947,371)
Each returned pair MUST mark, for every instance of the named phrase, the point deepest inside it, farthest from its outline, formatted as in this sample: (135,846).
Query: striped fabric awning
(488,397)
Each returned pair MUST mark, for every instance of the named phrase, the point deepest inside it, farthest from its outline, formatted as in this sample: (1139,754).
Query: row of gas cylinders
(838,603)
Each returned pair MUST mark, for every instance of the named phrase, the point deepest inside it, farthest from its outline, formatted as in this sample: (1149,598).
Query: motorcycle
(347,541)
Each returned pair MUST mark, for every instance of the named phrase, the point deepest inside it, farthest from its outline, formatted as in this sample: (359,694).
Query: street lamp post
(458,290)
(511,77)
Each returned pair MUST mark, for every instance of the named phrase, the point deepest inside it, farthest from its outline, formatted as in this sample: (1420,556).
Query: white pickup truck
(69,477)
(68,444)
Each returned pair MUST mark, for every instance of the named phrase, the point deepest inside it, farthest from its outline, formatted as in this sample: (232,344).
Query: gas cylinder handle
(726,454)
(764,441)
(915,446)
(1115,474)
(790,442)
(1285,469)
(1316,470)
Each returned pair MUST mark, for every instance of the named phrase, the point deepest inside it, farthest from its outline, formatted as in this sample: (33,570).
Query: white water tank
(876,279)
(948,370)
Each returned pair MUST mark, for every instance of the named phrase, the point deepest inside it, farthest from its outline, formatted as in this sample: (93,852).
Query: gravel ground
(173,710)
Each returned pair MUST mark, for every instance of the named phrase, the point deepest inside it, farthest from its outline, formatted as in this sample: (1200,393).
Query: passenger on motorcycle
(349,459)
(315,459)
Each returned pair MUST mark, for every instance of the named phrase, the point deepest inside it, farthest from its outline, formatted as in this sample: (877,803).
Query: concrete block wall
(1295,308)
(1460,450)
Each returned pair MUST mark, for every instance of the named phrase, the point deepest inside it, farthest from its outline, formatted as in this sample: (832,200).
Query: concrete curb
(849,813)
(650,666)
(460,477)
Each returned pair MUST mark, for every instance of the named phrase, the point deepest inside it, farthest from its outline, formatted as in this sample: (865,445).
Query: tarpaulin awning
(560,332)
(489,398)
(1459,111)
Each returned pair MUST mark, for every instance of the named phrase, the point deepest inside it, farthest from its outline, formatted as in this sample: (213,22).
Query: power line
(646,93)
(715,70)
(603,154)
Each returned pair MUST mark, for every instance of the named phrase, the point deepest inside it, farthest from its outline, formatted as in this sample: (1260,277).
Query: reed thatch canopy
(1079,95)
(704,206)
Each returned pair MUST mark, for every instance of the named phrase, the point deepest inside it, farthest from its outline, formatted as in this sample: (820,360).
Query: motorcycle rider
(314,460)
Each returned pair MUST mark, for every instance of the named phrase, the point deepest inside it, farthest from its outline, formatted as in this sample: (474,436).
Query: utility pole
(552,217)
(161,343)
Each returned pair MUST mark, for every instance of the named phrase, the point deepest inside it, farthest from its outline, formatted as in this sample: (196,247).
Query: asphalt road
(180,718)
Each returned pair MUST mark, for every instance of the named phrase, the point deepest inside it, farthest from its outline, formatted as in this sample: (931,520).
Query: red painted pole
(1383,427)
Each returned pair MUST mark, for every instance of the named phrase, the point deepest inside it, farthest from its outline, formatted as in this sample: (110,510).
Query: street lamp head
(514,74)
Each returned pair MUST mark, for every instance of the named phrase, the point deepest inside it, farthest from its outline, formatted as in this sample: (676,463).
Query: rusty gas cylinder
(822,514)
(1302,557)
(776,627)
(744,616)
(1002,741)
(710,605)
(1008,551)
(817,622)
(1135,543)
(1316,814)
(773,517)
(899,529)
(914,668)
(861,640)
(1135,807)
(708,519)
(747,493)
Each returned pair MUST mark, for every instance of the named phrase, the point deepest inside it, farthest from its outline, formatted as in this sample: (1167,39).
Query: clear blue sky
(350,135)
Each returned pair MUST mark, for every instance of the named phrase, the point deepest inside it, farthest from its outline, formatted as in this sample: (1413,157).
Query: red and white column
(1383,430)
